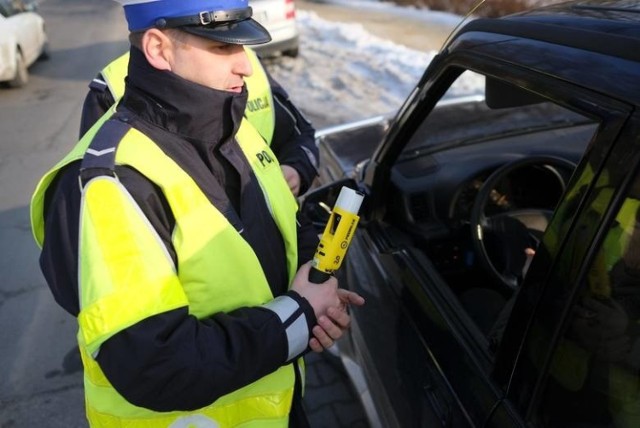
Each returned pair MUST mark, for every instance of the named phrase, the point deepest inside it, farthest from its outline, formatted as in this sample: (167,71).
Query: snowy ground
(345,73)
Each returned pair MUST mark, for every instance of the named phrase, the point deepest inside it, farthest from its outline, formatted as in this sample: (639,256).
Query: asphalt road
(40,374)
(40,371)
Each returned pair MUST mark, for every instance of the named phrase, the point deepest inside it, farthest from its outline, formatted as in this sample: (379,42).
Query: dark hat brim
(245,32)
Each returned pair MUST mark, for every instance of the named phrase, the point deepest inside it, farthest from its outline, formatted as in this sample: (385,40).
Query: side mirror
(316,204)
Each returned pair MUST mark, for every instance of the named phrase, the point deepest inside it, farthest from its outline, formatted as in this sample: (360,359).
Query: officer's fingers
(292,177)
(287,171)
(315,345)
(322,337)
(294,186)
(340,317)
(350,297)
(333,329)
(303,272)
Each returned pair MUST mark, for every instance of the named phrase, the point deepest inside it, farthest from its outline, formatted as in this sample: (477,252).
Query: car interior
(476,186)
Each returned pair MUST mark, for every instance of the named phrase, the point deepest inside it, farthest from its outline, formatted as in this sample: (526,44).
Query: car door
(430,337)
(7,49)
(393,354)
(26,28)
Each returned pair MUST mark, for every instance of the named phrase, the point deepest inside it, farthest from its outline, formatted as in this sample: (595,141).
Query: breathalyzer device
(337,235)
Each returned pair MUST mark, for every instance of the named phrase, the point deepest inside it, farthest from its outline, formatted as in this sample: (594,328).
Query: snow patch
(344,73)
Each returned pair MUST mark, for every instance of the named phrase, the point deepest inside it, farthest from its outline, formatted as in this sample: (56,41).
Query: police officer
(269,109)
(171,234)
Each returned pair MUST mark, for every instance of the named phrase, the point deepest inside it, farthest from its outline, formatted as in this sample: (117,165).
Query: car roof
(611,28)
(595,31)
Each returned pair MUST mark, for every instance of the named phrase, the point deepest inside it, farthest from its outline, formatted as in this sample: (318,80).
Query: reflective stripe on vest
(259,110)
(264,403)
(122,259)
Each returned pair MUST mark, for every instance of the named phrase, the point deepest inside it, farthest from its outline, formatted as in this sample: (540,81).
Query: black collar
(193,111)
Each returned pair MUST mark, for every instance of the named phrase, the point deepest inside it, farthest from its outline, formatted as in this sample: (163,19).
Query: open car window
(476,186)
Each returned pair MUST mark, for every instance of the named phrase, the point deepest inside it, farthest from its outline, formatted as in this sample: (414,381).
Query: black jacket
(293,139)
(173,361)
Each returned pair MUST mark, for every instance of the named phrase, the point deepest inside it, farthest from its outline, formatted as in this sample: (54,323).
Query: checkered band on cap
(143,14)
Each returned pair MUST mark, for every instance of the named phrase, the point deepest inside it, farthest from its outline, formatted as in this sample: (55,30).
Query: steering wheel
(512,231)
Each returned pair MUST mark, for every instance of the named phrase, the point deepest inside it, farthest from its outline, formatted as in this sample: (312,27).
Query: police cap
(227,21)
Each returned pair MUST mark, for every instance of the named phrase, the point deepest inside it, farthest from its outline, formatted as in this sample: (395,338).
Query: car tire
(293,53)
(44,54)
(22,74)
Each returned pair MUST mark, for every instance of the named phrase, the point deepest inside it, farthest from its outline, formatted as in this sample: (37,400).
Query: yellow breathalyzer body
(337,235)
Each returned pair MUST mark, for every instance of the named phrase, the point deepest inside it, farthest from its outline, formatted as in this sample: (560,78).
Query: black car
(499,241)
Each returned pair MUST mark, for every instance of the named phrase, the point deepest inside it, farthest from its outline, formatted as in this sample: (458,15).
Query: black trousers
(298,416)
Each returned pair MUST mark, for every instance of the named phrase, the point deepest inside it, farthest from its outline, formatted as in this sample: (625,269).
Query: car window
(461,122)
(444,191)
(595,370)
(5,8)
(11,7)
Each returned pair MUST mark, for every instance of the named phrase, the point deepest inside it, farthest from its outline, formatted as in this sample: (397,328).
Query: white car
(22,41)
(279,18)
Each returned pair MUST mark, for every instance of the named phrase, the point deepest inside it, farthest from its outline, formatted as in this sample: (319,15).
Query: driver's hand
(529,253)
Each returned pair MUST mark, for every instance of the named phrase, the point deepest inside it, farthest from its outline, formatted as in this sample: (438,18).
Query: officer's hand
(293,178)
(320,296)
(337,320)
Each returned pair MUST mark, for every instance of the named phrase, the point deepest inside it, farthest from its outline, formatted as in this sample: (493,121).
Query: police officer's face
(213,64)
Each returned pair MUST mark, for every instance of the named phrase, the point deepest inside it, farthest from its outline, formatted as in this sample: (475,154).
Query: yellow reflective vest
(122,260)
(259,110)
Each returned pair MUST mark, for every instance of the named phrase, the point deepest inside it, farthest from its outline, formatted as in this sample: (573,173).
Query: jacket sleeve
(308,239)
(294,137)
(97,101)
(172,360)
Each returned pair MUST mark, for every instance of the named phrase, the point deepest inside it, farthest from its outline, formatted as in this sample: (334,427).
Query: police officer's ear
(158,49)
